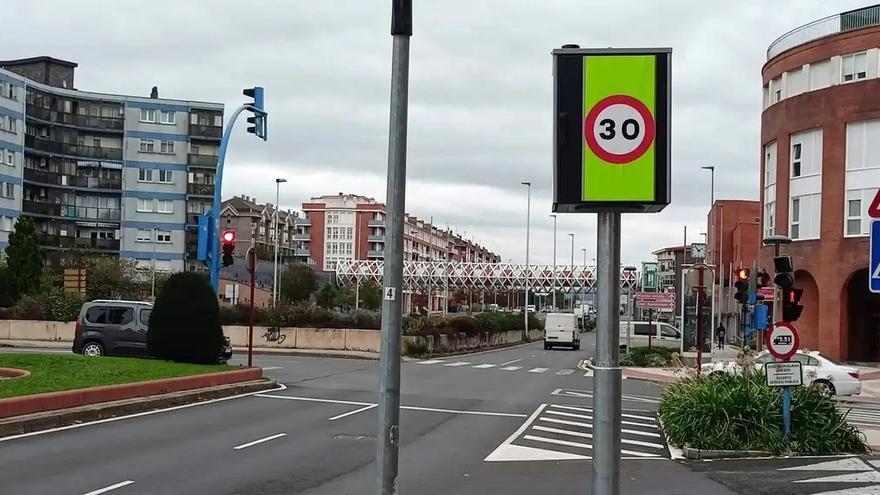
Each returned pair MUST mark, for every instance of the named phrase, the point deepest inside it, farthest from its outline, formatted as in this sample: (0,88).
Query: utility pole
(572,271)
(388,437)
(555,308)
(153,284)
(528,219)
(277,237)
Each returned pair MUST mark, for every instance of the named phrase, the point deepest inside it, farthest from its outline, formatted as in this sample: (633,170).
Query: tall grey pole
(153,283)
(388,438)
(572,272)
(606,375)
(528,225)
(555,308)
(277,237)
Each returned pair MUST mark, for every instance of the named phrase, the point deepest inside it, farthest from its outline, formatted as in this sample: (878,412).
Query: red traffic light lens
(791,297)
(228,236)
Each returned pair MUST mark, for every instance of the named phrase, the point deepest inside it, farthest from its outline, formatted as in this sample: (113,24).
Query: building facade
(820,169)
(108,174)
(245,216)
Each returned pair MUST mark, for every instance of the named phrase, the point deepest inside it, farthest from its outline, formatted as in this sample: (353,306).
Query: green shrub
(411,324)
(493,322)
(626,359)
(415,347)
(29,308)
(185,321)
(739,412)
(62,306)
(657,357)
(464,324)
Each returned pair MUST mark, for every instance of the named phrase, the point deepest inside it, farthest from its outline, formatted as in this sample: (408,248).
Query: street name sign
(874,257)
(784,374)
(782,340)
(655,300)
(612,130)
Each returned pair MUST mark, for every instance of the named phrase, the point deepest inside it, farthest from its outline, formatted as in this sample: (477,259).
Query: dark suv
(118,328)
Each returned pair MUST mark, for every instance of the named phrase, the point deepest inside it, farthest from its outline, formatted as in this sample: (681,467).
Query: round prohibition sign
(619,129)
(782,340)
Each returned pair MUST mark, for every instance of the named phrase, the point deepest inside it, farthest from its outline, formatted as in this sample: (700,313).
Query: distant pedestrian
(721,332)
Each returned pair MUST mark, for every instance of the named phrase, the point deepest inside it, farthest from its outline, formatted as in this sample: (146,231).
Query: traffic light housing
(742,285)
(228,240)
(257,123)
(791,307)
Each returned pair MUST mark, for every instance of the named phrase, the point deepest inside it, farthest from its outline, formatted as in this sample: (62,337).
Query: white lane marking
(584,416)
(510,362)
(851,464)
(498,453)
(459,363)
(564,372)
(350,413)
(538,370)
(484,366)
(589,435)
(583,445)
(431,361)
(511,368)
(589,373)
(587,409)
(315,399)
(270,368)
(454,411)
(588,425)
(257,442)
(137,415)
(109,488)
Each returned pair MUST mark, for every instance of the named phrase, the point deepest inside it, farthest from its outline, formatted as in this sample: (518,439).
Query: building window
(166,117)
(147,146)
(165,206)
(163,236)
(770,218)
(165,176)
(144,235)
(854,67)
(854,217)
(796,160)
(148,115)
(770,164)
(10,158)
(96,142)
(145,205)
(805,217)
(145,175)
(863,145)
(777,96)
(8,190)
(795,218)
(6,224)
(167,147)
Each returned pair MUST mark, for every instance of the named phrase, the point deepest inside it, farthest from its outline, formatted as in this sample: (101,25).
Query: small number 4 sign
(390,293)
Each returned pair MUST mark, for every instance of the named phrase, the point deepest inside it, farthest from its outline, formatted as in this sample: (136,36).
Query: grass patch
(53,372)
(656,357)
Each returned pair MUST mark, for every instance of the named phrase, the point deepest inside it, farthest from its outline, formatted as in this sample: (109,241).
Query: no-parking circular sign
(619,129)
(782,340)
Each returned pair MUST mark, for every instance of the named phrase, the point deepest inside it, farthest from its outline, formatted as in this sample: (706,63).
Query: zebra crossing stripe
(511,368)
(564,372)
(431,361)
(484,366)
(538,370)
(460,363)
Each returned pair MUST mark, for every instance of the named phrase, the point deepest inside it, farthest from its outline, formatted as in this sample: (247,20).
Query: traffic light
(258,121)
(742,285)
(228,239)
(791,309)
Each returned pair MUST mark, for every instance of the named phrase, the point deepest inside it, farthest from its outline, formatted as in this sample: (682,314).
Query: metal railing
(61,180)
(72,149)
(299,252)
(302,222)
(58,210)
(89,121)
(208,131)
(375,253)
(302,237)
(202,160)
(66,242)
(376,238)
(200,189)
(376,223)
(838,23)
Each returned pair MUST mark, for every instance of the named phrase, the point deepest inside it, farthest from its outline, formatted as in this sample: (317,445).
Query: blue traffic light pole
(214,215)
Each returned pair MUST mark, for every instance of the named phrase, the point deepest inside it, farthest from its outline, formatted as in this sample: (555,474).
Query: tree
(112,278)
(297,282)
(371,296)
(24,259)
(326,297)
(345,297)
(185,321)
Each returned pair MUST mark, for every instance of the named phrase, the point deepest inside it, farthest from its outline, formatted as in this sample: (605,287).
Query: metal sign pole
(606,375)
(388,438)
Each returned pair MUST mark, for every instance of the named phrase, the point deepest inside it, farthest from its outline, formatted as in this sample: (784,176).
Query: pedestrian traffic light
(258,121)
(228,239)
(742,285)
(791,309)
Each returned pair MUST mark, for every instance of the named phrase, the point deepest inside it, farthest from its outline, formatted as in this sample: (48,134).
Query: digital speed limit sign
(612,129)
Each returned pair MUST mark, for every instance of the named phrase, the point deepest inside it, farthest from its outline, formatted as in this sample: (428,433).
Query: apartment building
(110,174)
(245,216)
(349,226)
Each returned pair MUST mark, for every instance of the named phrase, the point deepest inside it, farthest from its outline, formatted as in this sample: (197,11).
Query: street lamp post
(554,261)
(277,237)
(581,291)
(528,217)
(572,271)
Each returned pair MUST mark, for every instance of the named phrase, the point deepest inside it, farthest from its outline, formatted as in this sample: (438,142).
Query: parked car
(118,328)
(561,329)
(665,335)
(818,372)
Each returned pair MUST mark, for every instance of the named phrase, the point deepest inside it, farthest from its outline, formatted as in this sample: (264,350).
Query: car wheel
(577,347)
(92,349)
(823,387)
(546,347)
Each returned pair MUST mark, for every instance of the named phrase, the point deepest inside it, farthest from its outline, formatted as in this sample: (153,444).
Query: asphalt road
(514,421)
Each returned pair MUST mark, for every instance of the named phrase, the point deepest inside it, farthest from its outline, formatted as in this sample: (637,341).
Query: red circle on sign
(768,340)
(640,108)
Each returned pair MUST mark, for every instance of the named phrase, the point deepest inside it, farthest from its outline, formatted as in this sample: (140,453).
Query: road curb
(703,454)
(29,423)
(65,399)
(239,351)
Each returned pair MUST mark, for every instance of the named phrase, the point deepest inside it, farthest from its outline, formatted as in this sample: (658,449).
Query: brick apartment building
(820,169)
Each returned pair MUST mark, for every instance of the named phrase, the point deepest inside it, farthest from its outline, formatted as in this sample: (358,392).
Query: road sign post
(874,258)
(782,341)
(612,155)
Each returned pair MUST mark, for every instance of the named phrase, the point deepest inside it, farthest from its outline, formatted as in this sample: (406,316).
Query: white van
(665,335)
(561,329)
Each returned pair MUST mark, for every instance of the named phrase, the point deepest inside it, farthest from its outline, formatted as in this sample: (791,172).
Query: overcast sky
(480,96)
